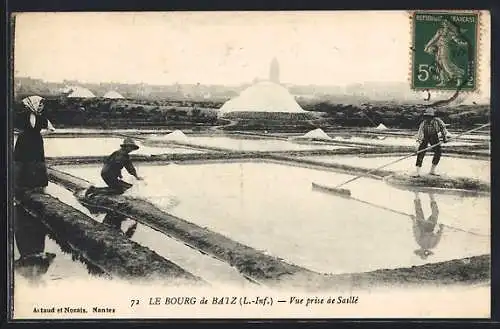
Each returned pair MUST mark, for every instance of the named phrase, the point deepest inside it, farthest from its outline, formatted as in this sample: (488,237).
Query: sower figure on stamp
(424,230)
(440,45)
(428,135)
(30,171)
(111,172)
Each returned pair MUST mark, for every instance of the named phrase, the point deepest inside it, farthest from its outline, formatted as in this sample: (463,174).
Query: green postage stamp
(444,50)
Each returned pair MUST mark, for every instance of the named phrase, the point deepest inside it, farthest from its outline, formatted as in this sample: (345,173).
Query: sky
(324,48)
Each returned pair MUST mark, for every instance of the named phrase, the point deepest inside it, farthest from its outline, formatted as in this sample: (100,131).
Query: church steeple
(274,72)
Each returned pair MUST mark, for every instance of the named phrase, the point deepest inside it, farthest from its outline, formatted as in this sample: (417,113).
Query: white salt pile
(315,134)
(381,127)
(264,96)
(176,135)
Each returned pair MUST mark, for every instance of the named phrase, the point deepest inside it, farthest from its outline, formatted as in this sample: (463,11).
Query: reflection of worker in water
(30,236)
(115,221)
(111,172)
(424,230)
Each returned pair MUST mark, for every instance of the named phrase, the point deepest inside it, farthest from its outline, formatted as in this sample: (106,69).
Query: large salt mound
(264,96)
(315,134)
(381,127)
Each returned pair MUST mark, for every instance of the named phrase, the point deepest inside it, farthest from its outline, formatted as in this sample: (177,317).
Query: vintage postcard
(169,165)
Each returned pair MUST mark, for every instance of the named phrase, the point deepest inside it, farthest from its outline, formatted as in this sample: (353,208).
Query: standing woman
(30,171)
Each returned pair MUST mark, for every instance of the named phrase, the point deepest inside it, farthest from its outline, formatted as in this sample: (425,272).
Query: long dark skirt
(30,170)
(29,175)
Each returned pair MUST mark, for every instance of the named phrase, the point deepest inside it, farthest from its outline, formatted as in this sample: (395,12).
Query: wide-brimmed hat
(33,103)
(429,112)
(129,142)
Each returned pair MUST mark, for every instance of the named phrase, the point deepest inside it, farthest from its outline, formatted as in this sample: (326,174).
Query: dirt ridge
(111,251)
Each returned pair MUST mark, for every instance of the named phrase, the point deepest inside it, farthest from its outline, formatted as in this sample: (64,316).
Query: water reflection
(114,220)
(30,236)
(427,232)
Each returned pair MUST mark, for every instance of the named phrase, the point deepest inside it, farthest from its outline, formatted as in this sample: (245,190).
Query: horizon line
(196,83)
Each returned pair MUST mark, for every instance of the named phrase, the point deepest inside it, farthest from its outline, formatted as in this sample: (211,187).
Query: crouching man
(111,172)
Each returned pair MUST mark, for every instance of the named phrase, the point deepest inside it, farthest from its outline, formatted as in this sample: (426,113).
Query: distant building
(274,72)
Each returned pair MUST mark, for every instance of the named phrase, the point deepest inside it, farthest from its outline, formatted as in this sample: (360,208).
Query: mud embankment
(437,182)
(224,154)
(220,155)
(76,160)
(472,270)
(397,179)
(110,251)
(346,132)
(447,148)
(291,158)
(339,167)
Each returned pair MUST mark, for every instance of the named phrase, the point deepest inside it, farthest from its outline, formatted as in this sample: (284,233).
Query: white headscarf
(33,103)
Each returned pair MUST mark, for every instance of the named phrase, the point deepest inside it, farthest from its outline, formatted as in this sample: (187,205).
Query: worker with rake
(428,135)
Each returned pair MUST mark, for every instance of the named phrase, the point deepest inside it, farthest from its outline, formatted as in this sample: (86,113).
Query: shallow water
(478,137)
(253,144)
(206,267)
(273,208)
(97,130)
(100,146)
(392,141)
(64,266)
(450,166)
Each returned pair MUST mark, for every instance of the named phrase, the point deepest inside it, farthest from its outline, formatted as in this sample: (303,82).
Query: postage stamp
(445,50)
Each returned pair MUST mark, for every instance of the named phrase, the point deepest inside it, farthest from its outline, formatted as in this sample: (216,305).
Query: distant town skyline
(220,48)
